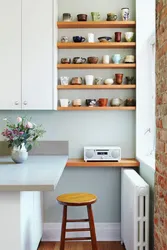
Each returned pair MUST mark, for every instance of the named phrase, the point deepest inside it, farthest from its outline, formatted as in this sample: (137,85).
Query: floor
(81,246)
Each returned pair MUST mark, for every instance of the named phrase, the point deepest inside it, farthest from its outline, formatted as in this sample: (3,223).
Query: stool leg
(63,228)
(92,227)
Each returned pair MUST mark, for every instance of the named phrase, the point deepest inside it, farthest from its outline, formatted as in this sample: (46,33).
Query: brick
(163,135)
(160,147)
(164,122)
(159,123)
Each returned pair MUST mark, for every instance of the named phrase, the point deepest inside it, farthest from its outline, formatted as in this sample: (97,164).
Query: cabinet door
(37,54)
(10,54)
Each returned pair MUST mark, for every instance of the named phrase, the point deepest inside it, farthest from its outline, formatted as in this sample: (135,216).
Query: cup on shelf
(64,39)
(64,80)
(95,16)
(116,58)
(77,102)
(98,80)
(91,38)
(102,102)
(67,17)
(64,103)
(125,14)
(118,78)
(118,36)
(106,59)
(89,79)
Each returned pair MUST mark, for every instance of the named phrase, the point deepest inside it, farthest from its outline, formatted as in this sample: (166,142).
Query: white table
(20,198)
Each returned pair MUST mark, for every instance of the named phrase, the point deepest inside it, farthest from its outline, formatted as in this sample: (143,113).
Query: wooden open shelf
(97,24)
(113,86)
(130,163)
(94,108)
(98,45)
(97,66)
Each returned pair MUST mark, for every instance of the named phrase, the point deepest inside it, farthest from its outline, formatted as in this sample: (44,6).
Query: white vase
(19,155)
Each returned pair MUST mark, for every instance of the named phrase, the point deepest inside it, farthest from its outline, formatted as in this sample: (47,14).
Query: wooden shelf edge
(97,66)
(123,163)
(114,86)
(99,24)
(86,45)
(82,108)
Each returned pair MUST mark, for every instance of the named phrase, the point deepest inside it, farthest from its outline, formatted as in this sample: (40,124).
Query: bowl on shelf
(82,17)
(79,60)
(93,59)
(129,59)
(66,60)
(104,39)
(76,81)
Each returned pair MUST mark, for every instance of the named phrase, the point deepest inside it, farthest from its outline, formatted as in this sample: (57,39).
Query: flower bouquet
(21,137)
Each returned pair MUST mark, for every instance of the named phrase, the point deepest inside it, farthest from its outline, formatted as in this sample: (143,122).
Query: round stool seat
(77,199)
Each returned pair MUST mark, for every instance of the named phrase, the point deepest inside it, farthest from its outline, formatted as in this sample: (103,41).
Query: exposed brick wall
(160,217)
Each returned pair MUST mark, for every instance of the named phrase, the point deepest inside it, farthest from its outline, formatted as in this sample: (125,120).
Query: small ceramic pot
(129,79)
(89,79)
(129,36)
(129,59)
(67,17)
(116,58)
(118,78)
(65,103)
(130,102)
(111,17)
(91,38)
(91,102)
(79,60)
(77,102)
(118,36)
(78,39)
(125,14)
(64,80)
(93,59)
(66,60)
(106,59)
(109,81)
(116,102)
(76,81)
(64,39)
(102,102)
(19,155)
(98,80)
(95,16)
(82,17)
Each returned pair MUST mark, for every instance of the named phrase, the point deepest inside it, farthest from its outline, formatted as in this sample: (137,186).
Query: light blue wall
(148,174)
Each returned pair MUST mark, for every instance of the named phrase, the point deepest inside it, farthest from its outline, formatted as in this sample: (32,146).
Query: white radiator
(134,211)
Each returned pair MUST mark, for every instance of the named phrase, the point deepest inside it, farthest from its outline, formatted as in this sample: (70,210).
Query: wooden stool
(78,199)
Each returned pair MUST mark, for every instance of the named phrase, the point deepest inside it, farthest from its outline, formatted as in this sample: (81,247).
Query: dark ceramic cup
(82,17)
(103,102)
(78,39)
(91,102)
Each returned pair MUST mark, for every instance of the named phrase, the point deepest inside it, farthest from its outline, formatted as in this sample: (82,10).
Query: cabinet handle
(25,103)
(16,103)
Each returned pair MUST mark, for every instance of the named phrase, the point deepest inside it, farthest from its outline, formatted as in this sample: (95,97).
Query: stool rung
(79,238)
(82,220)
(77,229)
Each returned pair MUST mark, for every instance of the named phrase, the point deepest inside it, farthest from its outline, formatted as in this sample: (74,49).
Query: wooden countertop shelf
(113,86)
(97,24)
(97,45)
(82,108)
(97,66)
(129,163)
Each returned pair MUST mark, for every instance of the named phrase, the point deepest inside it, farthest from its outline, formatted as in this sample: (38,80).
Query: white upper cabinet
(37,54)
(10,54)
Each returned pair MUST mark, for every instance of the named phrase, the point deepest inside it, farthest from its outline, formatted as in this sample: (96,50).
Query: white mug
(91,38)
(106,59)
(64,102)
(89,79)
(64,80)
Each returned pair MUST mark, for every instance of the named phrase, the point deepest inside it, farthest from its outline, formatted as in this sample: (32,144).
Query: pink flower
(29,125)
(21,133)
(19,119)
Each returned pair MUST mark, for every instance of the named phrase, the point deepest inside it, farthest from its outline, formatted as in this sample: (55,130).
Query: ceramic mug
(98,80)
(91,38)
(64,80)
(95,16)
(64,102)
(118,37)
(116,58)
(67,17)
(77,102)
(116,102)
(129,36)
(125,14)
(106,59)
(118,78)
(64,39)
(89,79)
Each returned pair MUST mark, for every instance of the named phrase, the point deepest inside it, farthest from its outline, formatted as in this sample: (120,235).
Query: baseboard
(104,231)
